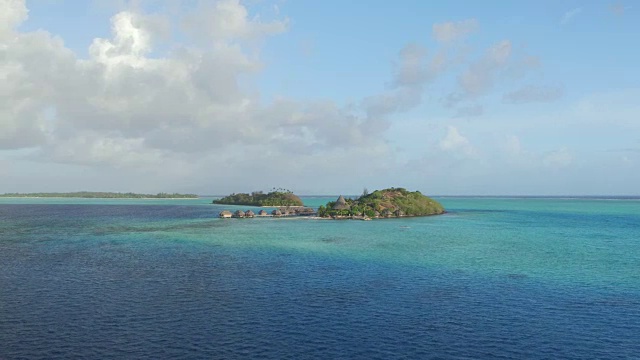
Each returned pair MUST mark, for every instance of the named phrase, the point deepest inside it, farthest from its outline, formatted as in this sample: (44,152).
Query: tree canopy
(391,202)
(280,197)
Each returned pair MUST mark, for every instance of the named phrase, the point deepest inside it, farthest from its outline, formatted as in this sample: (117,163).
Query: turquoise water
(494,277)
(83,201)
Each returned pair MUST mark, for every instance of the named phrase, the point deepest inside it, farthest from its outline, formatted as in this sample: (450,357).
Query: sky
(320,97)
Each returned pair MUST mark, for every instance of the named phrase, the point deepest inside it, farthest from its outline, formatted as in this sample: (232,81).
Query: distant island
(101,195)
(386,203)
(275,198)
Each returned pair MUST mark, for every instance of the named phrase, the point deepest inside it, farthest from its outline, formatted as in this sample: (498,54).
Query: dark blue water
(171,281)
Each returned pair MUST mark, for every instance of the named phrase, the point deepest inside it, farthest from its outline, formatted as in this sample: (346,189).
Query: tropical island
(275,198)
(386,203)
(100,195)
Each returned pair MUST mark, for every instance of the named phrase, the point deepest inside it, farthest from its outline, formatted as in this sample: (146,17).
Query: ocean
(494,278)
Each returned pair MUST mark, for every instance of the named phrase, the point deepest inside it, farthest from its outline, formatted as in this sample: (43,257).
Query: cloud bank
(168,103)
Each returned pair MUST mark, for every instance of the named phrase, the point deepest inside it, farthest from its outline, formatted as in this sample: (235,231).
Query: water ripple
(132,287)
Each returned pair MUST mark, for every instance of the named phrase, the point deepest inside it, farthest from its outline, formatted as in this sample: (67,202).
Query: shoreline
(313,217)
(265,206)
(280,206)
(92,198)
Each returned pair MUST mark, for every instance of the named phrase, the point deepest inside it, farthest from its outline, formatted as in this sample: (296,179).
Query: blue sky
(326,97)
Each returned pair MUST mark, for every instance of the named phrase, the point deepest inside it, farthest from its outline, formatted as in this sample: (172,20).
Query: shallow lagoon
(516,278)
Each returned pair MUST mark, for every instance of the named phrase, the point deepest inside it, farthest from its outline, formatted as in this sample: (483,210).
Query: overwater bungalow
(224,214)
(276,212)
(238,214)
(262,213)
(249,214)
(305,212)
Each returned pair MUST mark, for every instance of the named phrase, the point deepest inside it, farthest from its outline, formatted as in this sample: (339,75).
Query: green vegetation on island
(386,203)
(101,195)
(279,197)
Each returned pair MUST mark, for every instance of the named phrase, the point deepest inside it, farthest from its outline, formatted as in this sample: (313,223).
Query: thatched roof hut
(238,214)
(262,213)
(276,212)
(225,214)
(307,211)
(249,214)
(341,204)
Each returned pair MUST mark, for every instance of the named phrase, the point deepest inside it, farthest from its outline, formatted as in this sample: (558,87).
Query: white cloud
(13,13)
(481,74)
(90,148)
(128,107)
(152,101)
(570,15)
(414,70)
(411,69)
(451,31)
(454,142)
(133,39)
(226,20)
(30,66)
(123,93)
(500,63)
